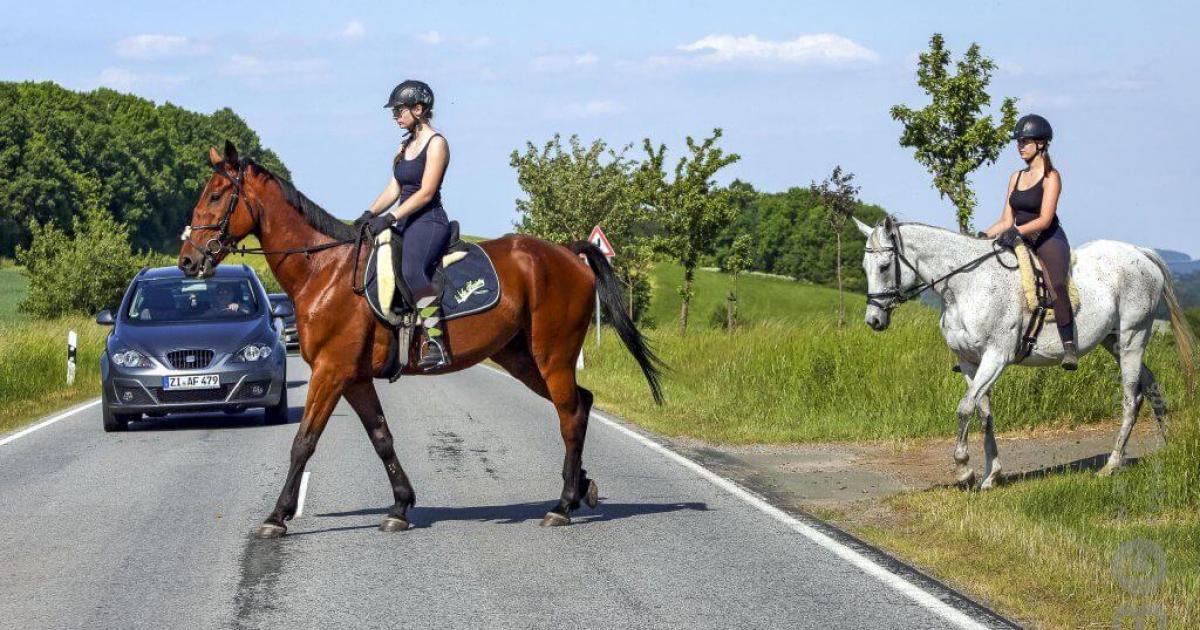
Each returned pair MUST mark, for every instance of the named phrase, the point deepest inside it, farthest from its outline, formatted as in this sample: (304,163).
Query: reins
(221,242)
(899,296)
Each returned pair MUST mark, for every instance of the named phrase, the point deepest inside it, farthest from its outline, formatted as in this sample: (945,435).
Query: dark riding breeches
(1055,253)
(425,240)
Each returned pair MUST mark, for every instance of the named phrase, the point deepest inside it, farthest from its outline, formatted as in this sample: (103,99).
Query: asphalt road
(151,529)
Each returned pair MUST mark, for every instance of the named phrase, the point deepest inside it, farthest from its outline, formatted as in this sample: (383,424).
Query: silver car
(184,344)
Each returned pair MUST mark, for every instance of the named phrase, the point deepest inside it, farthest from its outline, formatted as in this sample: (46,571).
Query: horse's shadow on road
(514,513)
(1092,463)
(250,419)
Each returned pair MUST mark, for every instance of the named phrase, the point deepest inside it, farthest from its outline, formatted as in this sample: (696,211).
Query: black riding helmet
(1033,126)
(409,93)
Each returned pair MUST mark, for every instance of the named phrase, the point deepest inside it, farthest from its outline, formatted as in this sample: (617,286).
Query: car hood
(223,337)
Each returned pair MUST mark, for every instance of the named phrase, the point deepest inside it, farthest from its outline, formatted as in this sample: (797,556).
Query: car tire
(116,422)
(278,413)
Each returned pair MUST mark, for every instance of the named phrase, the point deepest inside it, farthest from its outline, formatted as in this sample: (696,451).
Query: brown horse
(535,332)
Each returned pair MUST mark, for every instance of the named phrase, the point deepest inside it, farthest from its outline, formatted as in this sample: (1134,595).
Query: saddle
(1035,294)
(465,277)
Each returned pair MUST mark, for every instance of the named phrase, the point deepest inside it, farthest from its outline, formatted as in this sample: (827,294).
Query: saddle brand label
(472,287)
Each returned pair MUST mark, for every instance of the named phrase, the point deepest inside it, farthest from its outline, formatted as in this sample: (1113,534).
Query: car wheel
(278,414)
(116,422)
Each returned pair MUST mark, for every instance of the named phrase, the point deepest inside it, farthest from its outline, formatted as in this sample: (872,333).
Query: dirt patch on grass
(853,478)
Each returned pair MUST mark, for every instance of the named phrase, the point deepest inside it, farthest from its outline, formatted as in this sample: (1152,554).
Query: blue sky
(797,87)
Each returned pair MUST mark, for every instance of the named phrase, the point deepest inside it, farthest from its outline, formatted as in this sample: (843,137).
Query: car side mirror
(105,318)
(282,309)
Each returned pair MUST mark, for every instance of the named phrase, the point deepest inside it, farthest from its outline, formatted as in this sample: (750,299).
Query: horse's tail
(611,297)
(1185,338)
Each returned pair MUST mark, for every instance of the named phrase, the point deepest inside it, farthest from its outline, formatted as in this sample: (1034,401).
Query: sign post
(600,240)
(72,343)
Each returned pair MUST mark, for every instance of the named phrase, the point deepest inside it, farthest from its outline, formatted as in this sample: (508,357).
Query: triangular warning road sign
(601,242)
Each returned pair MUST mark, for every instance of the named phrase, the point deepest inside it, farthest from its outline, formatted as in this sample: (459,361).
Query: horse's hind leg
(991,453)
(980,379)
(1129,349)
(365,400)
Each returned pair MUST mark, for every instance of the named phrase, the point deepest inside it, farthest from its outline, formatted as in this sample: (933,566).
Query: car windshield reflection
(178,300)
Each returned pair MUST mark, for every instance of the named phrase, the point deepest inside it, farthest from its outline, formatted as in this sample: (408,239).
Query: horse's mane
(314,215)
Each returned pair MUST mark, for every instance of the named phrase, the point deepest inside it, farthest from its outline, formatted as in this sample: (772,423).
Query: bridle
(896,296)
(223,241)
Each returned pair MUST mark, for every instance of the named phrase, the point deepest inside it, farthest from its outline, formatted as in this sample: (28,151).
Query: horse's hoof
(966,480)
(393,524)
(270,530)
(554,519)
(1108,471)
(989,483)
(592,498)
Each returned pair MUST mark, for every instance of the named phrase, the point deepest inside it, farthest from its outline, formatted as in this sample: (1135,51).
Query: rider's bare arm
(390,194)
(1051,187)
(437,156)
(1006,214)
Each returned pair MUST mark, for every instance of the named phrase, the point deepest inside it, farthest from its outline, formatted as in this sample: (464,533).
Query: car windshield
(192,300)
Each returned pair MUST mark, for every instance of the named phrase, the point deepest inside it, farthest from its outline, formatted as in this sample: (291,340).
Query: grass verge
(33,360)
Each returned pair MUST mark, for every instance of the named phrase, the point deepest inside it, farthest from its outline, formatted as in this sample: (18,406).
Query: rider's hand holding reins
(367,215)
(1009,238)
(380,222)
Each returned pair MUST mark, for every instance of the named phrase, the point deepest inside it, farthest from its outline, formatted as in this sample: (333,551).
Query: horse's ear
(231,154)
(862,227)
(214,158)
(889,224)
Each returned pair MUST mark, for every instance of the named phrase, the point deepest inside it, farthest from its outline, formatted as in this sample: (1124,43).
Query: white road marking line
(917,594)
(303,493)
(45,423)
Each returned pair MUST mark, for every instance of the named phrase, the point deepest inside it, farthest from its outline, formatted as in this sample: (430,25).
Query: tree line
(62,151)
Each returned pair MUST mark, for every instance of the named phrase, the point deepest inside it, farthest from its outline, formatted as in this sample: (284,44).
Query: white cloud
(256,69)
(1115,83)
(550,63)
(155,46)
(1044,100)
(482,41)
(432,38)
(124,80)
(816,49)
(1010,67)
(354,30)
(589,109)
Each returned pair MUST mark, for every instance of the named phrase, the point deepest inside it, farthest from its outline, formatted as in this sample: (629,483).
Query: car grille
(192,395)
(189,359)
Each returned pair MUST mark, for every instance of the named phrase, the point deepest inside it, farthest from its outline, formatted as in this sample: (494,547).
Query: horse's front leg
(980,379)
(365,400)
(324,389)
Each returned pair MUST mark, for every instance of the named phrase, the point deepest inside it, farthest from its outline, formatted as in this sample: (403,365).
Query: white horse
(983,319)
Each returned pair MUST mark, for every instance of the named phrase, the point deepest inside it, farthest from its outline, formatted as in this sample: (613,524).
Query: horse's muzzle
(878,321)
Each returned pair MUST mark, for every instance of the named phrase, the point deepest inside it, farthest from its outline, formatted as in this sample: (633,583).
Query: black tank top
(408,174)
(1027,204)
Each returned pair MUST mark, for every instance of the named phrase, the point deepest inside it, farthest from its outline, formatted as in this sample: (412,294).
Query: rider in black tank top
(1045,237)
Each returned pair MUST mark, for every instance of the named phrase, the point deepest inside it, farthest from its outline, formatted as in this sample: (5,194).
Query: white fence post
(72,341)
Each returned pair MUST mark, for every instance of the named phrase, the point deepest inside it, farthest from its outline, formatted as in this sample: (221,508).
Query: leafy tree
(62,150)
(82,273)
(691,208)
(737,262)
(569,191)
(951,137)
(839,198)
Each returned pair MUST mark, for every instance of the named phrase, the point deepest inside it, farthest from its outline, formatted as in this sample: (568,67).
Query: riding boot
(435,349)
(1070,360)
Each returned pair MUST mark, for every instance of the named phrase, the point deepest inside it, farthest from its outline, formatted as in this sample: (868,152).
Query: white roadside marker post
(72,340)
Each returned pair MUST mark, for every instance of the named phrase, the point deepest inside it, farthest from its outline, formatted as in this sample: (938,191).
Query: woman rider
(1030,212)
(416,181)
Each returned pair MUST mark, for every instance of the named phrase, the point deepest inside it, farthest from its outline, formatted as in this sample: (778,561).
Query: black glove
(361,221)
(981,235)
(379,223)
(1009,238)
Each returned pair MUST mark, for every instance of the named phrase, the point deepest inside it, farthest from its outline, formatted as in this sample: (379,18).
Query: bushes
(80,274)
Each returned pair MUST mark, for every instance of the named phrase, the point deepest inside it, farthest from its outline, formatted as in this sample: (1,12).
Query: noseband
(896,296)
(222,241)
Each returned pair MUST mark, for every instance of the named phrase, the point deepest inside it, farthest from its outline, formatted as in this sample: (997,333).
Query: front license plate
(193,381)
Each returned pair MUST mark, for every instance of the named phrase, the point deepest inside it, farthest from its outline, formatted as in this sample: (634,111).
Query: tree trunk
(841,296)
(731,307)
(687,298)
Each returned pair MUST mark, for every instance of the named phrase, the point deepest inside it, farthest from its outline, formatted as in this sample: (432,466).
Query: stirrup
(433,356)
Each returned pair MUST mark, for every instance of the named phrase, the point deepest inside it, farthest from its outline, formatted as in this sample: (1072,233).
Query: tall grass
(806,379)
(33,360)
(13,288)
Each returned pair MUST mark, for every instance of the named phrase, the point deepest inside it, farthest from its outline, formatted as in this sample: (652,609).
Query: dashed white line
(49,421)
(917,594)
(303,493)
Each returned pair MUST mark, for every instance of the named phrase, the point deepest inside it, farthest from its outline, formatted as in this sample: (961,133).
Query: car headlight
(252,352)
(131,359)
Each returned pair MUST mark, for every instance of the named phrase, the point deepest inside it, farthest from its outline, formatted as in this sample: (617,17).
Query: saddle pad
(1025,260)
(471,285)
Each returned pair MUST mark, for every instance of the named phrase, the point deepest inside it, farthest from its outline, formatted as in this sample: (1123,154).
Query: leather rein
(897,296)
(223,242)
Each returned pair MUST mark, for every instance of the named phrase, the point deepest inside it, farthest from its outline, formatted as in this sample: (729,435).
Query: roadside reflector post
(72,341)
(579,360)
